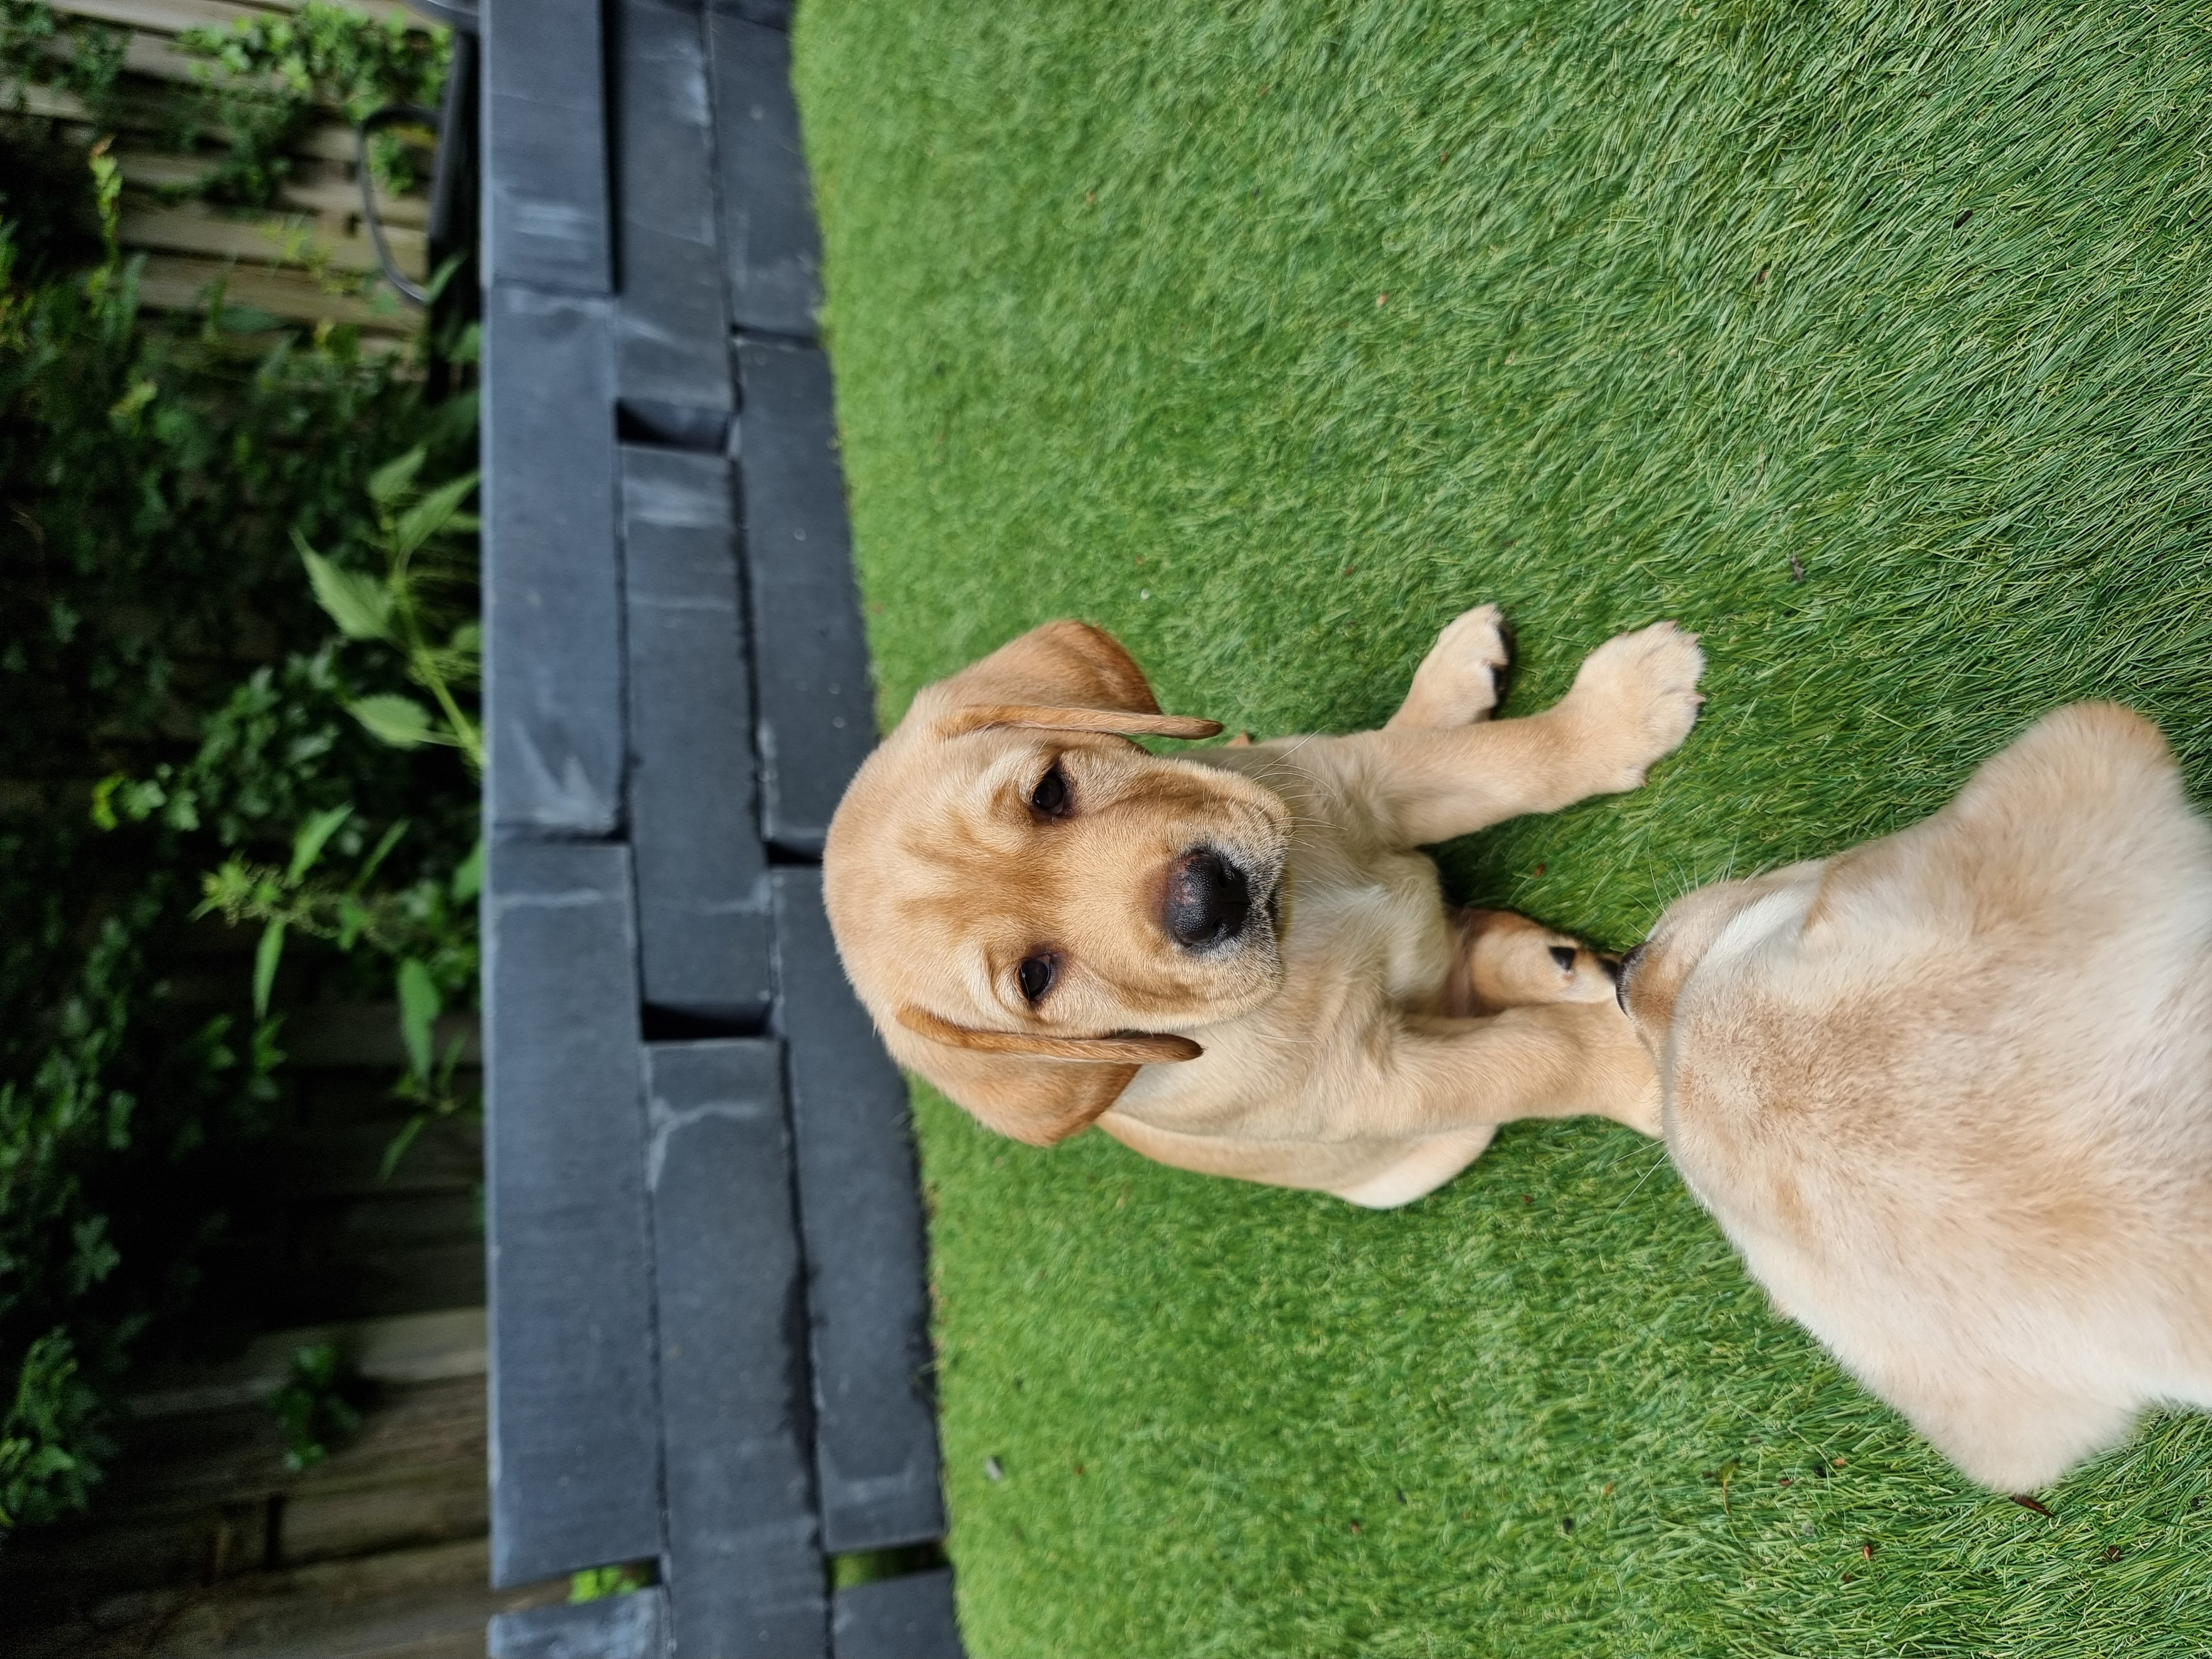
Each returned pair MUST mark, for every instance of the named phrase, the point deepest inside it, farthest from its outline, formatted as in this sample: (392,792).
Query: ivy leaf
(429,515)
(419,1007)
(395,478)
(359,604)
(266,956)
(400,721)
(308,845)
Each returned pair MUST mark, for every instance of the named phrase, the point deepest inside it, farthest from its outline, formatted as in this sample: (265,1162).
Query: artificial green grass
(1873,342)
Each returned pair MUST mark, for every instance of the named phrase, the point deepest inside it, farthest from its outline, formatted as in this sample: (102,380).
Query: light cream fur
(1360,1037)
(1950,1094)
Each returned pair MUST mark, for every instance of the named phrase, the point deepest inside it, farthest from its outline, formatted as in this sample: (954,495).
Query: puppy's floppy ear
(1067,676)
(1036,1088)
(1137,1047)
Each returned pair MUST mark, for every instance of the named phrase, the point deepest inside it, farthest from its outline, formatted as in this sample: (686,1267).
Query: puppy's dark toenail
(1565,955)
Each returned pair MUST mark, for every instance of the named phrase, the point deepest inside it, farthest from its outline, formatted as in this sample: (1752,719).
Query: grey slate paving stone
(674,332)
(860,1205)
(810,652)
(702,871)
(745,1569)
(545,146)
(776,13)
(575,1431)
(907,1618)
(552,595)
(675,425)
(772,249)
(631,1626)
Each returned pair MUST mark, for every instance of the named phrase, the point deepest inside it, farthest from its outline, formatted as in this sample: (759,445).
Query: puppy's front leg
(1457,683)
(1634,700)
(1550,1060)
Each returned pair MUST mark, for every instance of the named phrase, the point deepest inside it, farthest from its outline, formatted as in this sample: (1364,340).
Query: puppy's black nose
(1208,899)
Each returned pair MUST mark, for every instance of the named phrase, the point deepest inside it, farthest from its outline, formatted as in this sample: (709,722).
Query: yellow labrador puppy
(1950,1094)
(1233,960)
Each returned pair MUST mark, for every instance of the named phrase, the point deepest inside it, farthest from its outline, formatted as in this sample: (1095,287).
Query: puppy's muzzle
(1209,899)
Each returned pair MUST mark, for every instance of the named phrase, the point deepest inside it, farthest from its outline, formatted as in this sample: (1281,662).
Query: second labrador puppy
(1950,1094)
(1235,960)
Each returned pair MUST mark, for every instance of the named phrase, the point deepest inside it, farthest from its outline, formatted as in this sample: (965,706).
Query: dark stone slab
(545,145)
(776,13)
(632,1627)
(574,1451)
(771,250)
(674,340)
(909,1617)
(745,1569)
(702,871)
(810,653)
(860,1206)
(552,592)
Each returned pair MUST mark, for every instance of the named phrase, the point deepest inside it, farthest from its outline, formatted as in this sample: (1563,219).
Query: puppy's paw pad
(1640,692)
(1459,681)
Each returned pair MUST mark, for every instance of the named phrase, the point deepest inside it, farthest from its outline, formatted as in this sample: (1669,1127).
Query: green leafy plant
(264,77)
(320,1406)
(596,1583)
(424,930)
(152,476)
(39,48)
(399,608)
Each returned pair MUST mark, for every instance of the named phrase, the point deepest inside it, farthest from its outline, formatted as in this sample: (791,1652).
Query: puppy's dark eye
(1052,796)
(1035,975)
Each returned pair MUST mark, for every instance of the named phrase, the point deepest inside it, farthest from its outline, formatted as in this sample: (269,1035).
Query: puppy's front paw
(1635,699)
(1457,683)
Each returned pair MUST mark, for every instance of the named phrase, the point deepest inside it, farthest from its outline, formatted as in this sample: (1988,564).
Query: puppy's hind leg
(1458,682)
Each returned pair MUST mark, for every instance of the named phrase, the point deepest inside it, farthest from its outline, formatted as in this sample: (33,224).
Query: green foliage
(1874,342)
(266,76)
(152,479)
(39,48)
(595,1583)
(408,607)
(48,1436)
(320,1406)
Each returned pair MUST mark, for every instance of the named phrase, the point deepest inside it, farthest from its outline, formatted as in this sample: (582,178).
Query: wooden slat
(198,1497)
(153,169)
(428,1603)
(412,1348)
(367,1034)
(193,228)
(180,1465)
(343,196)
(178,282)
(161,16)
(173,17)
